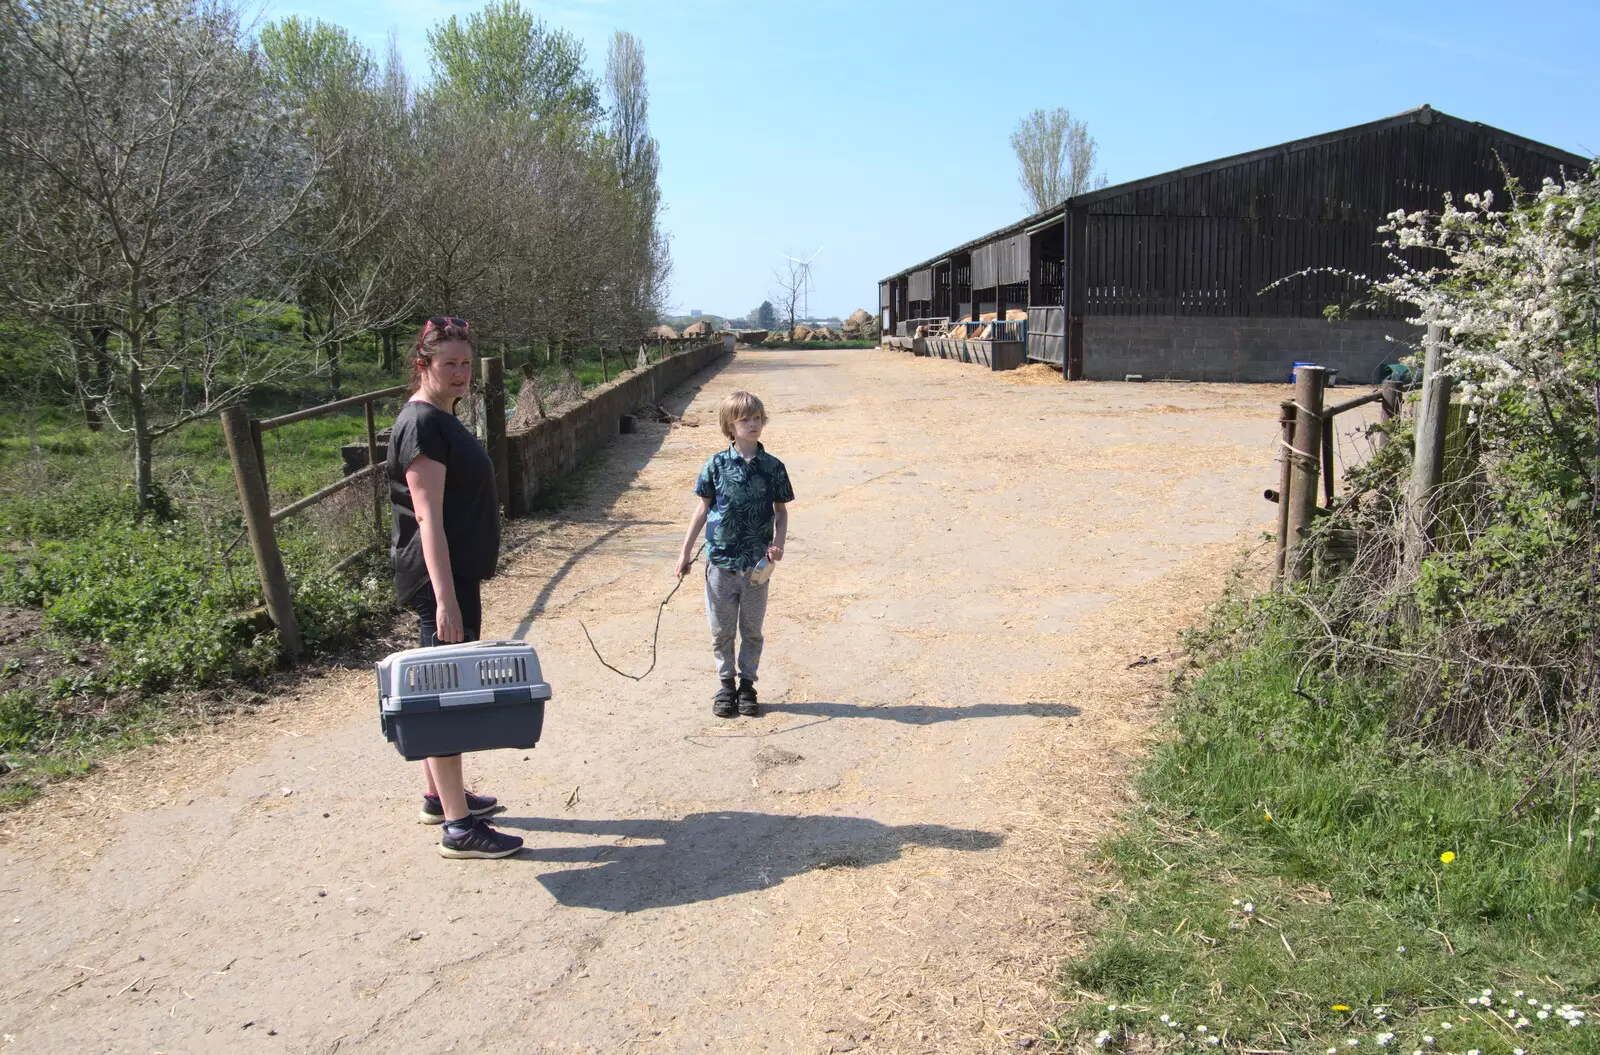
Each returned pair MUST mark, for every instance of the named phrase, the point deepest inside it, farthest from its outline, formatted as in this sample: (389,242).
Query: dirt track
(887,861)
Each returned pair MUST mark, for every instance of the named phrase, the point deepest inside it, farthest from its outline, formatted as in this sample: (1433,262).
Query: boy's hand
(774,553)
(683,564)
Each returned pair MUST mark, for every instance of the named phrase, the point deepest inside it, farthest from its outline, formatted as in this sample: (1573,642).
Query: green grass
(1286,889)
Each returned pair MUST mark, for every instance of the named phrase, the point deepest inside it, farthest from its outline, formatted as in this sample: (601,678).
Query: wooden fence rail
(245,450)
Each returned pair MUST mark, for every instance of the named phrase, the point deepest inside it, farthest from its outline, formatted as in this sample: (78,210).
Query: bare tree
(145,173)
(794,284)
(1055,158)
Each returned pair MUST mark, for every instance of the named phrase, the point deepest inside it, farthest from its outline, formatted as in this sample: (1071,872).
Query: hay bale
(1016,315)
(776,337)
(801,333)
(697,329)
(861,326)
(664,333)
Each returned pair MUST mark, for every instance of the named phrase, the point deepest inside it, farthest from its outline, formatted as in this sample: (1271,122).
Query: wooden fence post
(1306,456)
(1285,467)
(378,480)
(1427,470)
(1388,408)
(494,425)
(248,476)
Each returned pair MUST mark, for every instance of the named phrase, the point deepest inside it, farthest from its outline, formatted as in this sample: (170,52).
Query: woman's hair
(436,331)
(738,405)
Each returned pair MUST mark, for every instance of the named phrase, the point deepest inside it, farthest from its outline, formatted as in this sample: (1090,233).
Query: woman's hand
(449,630)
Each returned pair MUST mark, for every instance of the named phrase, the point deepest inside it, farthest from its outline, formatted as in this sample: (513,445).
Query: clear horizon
(876,137)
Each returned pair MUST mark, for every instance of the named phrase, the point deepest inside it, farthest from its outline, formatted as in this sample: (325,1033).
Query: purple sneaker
(477,806)
(477,838)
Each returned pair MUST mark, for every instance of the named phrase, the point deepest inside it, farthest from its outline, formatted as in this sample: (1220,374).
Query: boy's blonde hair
(739,405)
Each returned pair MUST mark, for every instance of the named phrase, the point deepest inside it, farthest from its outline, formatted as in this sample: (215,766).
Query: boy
(744,507)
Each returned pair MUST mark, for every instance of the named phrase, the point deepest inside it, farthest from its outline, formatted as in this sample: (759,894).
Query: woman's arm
(696,522)
(425,478)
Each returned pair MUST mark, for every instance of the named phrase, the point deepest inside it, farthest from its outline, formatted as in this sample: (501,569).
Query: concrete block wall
(1197,348)
(536,458)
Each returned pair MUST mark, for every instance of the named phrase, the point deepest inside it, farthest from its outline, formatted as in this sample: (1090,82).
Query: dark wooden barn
(1188,274)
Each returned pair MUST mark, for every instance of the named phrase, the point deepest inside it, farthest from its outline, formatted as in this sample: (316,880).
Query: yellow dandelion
(1340,1007)
(1266,814)
(1447,856)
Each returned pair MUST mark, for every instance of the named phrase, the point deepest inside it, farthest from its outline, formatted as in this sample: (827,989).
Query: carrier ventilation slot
(503,670)
(433,677)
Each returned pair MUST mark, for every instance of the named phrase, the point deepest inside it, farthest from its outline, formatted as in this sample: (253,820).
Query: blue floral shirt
(741,494)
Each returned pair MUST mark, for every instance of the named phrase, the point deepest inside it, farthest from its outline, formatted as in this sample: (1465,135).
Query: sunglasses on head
(439,322)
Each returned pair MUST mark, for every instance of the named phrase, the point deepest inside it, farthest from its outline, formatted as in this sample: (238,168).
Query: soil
(893,858)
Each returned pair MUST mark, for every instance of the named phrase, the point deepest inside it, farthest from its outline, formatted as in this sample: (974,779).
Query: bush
(1491,634)
(166,606)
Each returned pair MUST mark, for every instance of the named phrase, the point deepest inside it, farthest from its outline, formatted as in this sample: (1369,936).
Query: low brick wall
(1194,348)
(536,458)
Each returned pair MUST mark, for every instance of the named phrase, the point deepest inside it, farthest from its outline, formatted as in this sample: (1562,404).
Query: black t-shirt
(471,508)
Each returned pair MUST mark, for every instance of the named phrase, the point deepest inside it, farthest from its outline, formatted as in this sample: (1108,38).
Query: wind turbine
(805,278)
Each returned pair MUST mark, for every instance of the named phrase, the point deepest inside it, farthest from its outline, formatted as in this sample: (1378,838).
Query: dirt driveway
(887,861)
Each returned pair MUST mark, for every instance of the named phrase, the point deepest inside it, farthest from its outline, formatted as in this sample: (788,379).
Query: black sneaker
(722,704)
(749,706)
(477,805)
(477,839)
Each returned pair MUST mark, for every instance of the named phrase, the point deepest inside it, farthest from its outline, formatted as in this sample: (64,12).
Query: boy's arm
(780,530)
(696,522)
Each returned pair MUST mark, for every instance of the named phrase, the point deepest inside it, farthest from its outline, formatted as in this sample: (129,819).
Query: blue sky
(878,132)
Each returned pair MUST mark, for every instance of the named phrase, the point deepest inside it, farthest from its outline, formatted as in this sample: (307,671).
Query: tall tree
(1055,157)
(644,258)
(765,317)
(318,69)
(142,130)
(506,61)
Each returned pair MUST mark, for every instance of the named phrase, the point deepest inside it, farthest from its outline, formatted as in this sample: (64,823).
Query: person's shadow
(916,714)
(706,856)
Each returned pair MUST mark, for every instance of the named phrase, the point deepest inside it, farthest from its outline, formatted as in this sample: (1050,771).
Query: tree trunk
(83,351)
(142,476)
(335,374)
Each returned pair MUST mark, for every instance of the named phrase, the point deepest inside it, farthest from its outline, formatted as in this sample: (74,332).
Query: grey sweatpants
(733,602)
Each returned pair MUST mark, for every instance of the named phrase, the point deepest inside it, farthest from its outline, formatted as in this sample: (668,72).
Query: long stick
(654,639)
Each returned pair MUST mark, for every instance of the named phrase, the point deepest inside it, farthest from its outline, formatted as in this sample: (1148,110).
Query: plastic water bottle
(761,572)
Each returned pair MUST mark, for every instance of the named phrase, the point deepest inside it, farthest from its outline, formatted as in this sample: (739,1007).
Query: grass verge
(1298,881)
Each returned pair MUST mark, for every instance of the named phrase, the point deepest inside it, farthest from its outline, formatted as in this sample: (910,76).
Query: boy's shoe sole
(479,855)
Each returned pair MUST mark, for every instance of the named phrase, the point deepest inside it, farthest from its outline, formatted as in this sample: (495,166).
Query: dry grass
(1031,374)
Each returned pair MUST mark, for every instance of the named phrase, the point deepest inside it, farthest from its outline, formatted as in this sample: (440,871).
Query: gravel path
(888,860)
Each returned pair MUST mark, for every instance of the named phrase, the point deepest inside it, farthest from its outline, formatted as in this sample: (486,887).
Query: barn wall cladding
(1207,256)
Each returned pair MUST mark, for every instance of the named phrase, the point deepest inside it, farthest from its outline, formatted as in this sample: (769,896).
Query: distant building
(1223,271)
(694,313)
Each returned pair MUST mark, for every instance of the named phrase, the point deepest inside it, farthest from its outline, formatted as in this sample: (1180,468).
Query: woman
(446,541)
